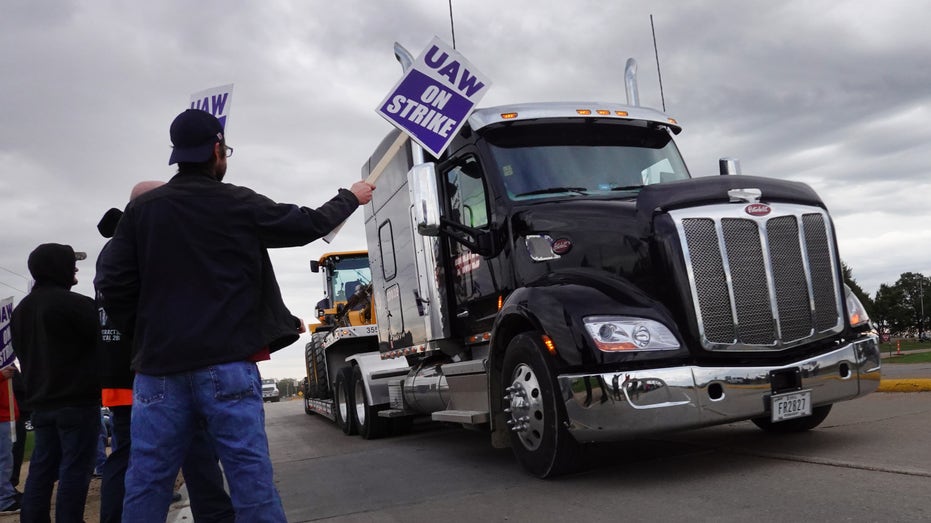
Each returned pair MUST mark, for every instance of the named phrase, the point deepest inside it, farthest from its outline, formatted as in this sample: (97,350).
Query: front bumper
(619,405)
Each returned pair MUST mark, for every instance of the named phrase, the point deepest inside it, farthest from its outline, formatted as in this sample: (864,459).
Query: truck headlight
(627,333)
(855,310)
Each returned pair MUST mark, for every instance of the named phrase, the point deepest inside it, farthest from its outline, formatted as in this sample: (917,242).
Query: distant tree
(855,288)
(287,387)
(889,312)
(913,286)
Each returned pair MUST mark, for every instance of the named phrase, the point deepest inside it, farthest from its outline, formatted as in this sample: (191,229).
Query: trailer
(559,278)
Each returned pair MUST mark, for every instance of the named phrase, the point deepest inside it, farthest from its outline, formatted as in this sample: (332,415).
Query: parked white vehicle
(269,390)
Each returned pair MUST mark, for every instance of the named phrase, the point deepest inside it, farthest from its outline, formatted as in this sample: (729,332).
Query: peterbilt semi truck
(557,277)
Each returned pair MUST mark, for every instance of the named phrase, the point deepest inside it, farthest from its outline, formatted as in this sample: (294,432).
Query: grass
(909,354)
(915,357)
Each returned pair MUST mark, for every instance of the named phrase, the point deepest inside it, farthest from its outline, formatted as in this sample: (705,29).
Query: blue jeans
(65,445)
(7,493)
(101,448)
(209,501)
(167,412)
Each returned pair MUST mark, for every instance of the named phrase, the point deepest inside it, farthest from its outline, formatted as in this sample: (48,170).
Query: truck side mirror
(421,184)
(314,266)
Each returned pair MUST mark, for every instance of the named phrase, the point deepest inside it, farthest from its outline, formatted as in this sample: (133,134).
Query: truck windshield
(581,158)
(348,274)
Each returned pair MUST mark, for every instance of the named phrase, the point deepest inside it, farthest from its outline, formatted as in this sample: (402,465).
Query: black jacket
(188,277)
(54,332)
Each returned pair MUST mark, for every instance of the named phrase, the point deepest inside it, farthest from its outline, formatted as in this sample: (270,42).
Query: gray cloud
(831,94)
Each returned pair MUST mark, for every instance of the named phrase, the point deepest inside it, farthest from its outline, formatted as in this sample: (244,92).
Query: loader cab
(344,273)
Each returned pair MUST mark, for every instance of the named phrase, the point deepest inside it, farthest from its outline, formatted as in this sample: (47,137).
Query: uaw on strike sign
(216,101)
(6,314)
(435,96)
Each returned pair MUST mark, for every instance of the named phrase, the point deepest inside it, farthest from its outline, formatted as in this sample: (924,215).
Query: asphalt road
(869,461)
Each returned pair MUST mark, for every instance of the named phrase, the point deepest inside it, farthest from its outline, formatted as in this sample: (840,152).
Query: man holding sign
(187,274)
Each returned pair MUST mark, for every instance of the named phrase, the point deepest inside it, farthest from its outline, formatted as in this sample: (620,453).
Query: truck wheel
(536,419)
(343,401)
(365,415)
(794,425)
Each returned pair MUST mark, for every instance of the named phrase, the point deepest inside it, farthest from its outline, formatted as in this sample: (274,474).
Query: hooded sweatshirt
(54,333)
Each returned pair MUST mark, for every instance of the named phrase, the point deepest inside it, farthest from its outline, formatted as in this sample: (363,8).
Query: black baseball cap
(193,134)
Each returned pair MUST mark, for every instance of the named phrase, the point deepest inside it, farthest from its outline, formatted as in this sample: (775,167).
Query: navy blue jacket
(187,275)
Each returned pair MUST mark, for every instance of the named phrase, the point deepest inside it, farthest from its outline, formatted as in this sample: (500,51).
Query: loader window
(465,190)
(347,274)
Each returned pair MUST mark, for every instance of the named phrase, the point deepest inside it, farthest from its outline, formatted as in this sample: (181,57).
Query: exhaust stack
(630,82)
(729,166)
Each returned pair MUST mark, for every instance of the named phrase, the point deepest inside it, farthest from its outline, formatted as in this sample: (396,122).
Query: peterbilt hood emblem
(758,209)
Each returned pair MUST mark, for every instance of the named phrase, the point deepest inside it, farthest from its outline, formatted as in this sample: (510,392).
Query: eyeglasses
(229,150)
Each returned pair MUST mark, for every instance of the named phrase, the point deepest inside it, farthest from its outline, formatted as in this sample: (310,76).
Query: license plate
(791,405)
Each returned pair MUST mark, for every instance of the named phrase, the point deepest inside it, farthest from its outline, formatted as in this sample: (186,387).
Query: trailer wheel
(343,401)
(365,415)
(539,437)
(794,425)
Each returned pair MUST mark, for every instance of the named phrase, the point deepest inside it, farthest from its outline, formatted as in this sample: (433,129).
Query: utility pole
(921,299)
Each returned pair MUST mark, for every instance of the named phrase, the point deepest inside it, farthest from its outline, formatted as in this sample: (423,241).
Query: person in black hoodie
(54,333)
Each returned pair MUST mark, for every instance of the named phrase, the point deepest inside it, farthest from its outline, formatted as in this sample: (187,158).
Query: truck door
(473,288)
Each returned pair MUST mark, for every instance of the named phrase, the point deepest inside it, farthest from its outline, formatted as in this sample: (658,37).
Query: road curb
(905,385)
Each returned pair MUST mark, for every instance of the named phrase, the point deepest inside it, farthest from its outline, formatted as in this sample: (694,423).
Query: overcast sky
(835,94)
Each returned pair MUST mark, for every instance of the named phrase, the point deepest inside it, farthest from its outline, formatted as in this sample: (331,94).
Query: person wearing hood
(54,335)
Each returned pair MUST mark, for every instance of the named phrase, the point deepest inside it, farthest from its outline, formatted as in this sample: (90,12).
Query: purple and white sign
(6,314)
(435,96)
(216,101)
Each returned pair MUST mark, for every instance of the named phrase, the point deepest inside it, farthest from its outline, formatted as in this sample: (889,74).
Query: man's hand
(363,191)
(7,373)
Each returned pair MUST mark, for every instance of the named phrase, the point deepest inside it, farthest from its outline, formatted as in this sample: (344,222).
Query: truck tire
(794,425)
(342,401)
(365,415)
(535,416)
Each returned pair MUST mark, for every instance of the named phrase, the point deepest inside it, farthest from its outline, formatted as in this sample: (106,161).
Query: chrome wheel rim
(360,402)
(341,403)
(523,403)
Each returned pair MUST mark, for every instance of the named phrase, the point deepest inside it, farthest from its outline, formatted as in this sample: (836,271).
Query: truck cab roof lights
(483,117)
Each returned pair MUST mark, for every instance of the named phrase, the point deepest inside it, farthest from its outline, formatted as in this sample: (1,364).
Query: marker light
(508,116)
(620,113)
(627,333)
(603,112)
(584,112)
(550,346)
(672,121)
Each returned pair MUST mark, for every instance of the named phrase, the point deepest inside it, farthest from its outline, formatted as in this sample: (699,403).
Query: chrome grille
(760,283)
